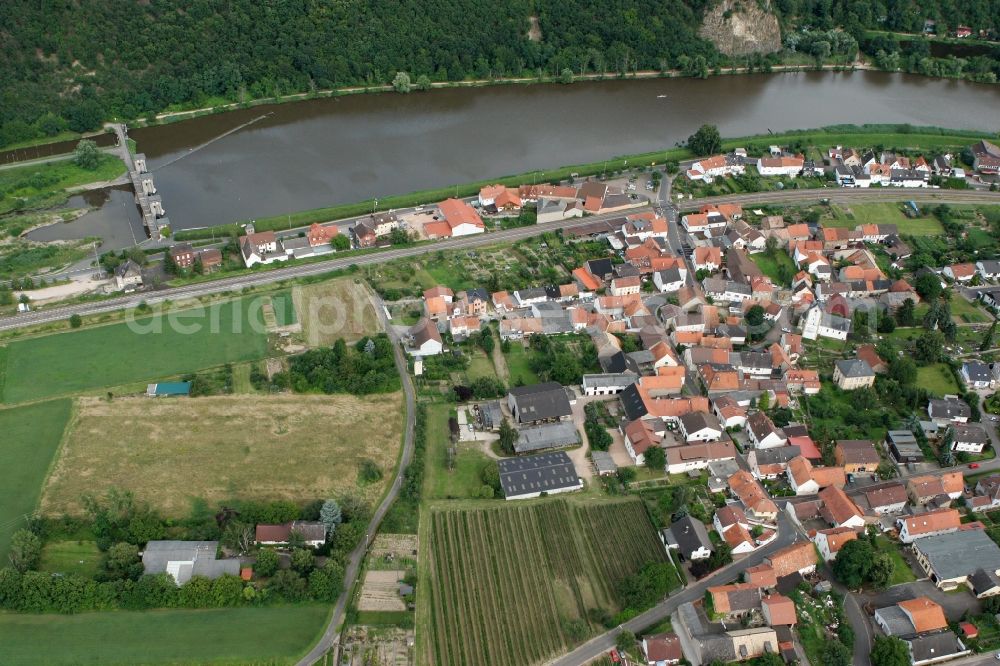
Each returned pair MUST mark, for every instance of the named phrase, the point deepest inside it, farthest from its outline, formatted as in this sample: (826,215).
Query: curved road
(252,278)
(595,647)
(332,634)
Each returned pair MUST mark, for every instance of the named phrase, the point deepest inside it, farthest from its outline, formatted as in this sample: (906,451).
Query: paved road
(332,634)
(603,643)
(266,277)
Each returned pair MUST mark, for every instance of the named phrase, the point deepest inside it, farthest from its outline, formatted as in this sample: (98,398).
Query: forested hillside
(71,64)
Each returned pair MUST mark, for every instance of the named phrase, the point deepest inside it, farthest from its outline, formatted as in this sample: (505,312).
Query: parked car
(974,466)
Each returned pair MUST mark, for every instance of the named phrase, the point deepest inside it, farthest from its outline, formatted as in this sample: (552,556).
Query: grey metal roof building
(184,559)
(539,402)
(949,408)
(530,476)
(603,463)
(546,436)
(952,558)
(932,648)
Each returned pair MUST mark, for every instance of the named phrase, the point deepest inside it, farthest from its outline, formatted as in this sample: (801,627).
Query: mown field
(277,447)
(29,442)
(334,309)
(504,584)
(152,348)
(270,635)
(882,213)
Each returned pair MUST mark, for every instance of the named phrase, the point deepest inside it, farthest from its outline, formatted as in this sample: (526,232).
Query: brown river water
(328,151)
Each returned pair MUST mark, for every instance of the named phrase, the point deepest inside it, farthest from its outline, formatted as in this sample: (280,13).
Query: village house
(771,463)
(313,533)
(320,235)
(683,459)
(662,649)
(700,427)
(128,275)
(969,438)
(805,479)
(960,272)
(261,248)
(499,199)
(913,616)
(829,542)
(756,502)
(856,455)
(887,499)
(425,339)
(930,523)
(839,510)
(459,219)
(731,523)
(976,375)
(949,410)
(763,433)
(734,601)
(852,374)
(924,489)
(689,537)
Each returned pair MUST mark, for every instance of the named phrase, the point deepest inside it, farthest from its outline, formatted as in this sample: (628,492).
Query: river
(337,150)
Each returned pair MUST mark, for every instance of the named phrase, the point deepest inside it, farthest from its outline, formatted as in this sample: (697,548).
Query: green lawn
(902,573)
(266,635)
(882,213)
(31,437)
(937,379)
(770,265)
(964,311)
(464,479)
(76,557)
(284,309)
(517,364)
(150,349)
(480,365)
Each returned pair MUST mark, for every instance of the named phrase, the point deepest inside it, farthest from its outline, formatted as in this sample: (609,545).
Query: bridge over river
(149,202)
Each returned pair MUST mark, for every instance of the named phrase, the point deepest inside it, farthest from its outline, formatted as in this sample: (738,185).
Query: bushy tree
(401,83)
(267,562)
(706,141)
(330,516)
(655,458)
(87,155)
(303,560)
(890,651)
(75,321)
(508,436)
(625,640)
(928,286)
(25,550)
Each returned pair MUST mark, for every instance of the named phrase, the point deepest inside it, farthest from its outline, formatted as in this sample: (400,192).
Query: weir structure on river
(149,202)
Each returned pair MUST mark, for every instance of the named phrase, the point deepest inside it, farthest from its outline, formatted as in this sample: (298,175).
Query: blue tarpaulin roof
(172,388)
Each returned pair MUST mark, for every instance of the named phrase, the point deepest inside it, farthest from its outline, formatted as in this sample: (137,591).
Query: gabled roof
(838,508)
(837,537)
(887,496)
(924,614)
(858,452)
(932,521)
(793,558)
(780,609)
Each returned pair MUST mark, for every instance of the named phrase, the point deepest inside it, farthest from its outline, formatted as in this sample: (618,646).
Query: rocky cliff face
(739,27)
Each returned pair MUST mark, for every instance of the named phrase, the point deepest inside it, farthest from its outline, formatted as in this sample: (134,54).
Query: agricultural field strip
(556,577)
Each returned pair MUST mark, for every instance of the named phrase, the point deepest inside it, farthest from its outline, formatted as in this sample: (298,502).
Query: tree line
(122,526)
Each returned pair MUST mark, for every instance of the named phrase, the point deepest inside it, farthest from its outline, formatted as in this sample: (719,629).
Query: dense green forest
(71,64)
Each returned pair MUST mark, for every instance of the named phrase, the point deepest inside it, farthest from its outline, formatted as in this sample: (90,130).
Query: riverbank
(899,137)
(187,114)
